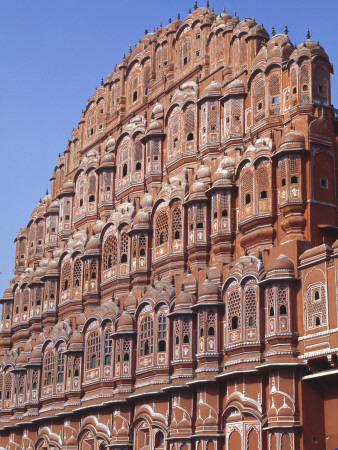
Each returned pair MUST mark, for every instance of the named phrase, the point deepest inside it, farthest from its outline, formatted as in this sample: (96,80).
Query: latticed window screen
(77,274)
(65,277)
(49,368)
(107,180)
(134,85)
(91,125)
(147,336)
(162,228)
(316,309)
(177,223)
(186,328)
(304,78)
(219,48)
(31,235)
(212,47)
(274,85)
(138,151)
(190,120)
(146,79)
(236,110)
(282,172)
(247,187)
(185,51)
(243,55)
(93,269)
(200,215)
(259,93)
(293,79)
(250,307)
(320,82)
(110,253)
(40,233)
(293,166)
(60,365)
(263,179)
(234,308)
(126,348)
(282,296)
(162,326)
(92,184)
(108,342)
(213,116)
(8,385)
(124,247)
(93,350)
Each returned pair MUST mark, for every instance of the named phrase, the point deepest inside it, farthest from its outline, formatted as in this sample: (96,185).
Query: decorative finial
(273,32)
(178,16)
(208,4)
(195,5)
(286,30)
(169,20)
(130,48)
(101,81)
(223,10)
(235,14)
(189,11)
(161,25)
(254,19)
(145,31)
(308,35)
(46,191)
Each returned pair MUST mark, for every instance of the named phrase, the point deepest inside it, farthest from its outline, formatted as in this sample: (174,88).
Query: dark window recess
(190,137)
(200,225)
(138,166)
(234,322)
(177,341)
(272,312)
(282,310)
(294,180)
(247,199)
(215,215)
(323,183)
(294,90)
(162,346)
(92,198)
(317,321)
(125,170)
(135,96)
(142,252)
(175,142)
(225,213)
(124,258)
(185,60)
(264,194)
(177,234)
(185,339)
(211,331)
(283,182)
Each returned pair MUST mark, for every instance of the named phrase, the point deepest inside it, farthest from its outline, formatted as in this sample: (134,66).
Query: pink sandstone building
(177,289)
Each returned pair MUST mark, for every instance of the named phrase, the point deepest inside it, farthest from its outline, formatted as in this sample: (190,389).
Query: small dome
(198,188)
(21,359)
(130,302)
(280,267)
(141,218)
(146,201)
(184,300)
(292,140)
(76,338)
(155,127)
(203,173)
(125,323)
(68,187)
(72,441)
(94,242)
(213,90)
(81,319)
(110,144)
(208,291)
(36,355)
(157,111)
(98,226)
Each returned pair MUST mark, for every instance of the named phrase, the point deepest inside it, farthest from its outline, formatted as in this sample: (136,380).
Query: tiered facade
(177,288)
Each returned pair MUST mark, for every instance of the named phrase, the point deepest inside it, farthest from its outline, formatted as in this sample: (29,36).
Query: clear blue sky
(53,55)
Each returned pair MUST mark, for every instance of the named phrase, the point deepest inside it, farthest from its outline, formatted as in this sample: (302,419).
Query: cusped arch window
(161,228)
(93,350)
(146,336)
(110,252)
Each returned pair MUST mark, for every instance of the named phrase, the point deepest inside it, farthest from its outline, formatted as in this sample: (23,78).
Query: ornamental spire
(273,32)
(308,35)
(286,30)
(195,5)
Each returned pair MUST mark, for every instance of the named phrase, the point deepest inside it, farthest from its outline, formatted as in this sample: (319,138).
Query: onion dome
(198,190)
(208,292)
(108,160)
(54,207)
(130,302)
(281,267)
(236,87)
(8,293)
(184,300)
(67,188)
(110,144)
(224,171)
(213,90)
(36,356)
(52,265)
(215,275)
(21,360)
(189,283)
(76,341)
(292,140)
(98,226)
(210,420)
(142,219)
(157,111)
(146,201)
(154,127)
(94,243)
(125,323)
(203,173)
(309,49)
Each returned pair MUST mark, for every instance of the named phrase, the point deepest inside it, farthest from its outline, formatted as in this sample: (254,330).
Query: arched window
(247,188)
(49,367)
(211,331)
(77,273)
(125,170)
(176,223)
(93,350)
(124,247)
(146,336)
(161,228)
(234,310)
(185,51)
(272,311)
(110,253)
(60,366)
(162,332)
(92,187)
(234,322)
(282,310)
(190,137)
(65,276)
(108,345)
(259,103)
(263,183)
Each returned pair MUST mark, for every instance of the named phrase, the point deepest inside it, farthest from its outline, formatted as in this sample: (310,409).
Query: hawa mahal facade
(177,289)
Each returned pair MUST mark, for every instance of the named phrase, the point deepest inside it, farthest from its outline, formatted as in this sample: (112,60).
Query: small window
(283,182)
(317,296)
(198,53)
(25,308)
(282,310)
(274,100)
(323,183)
(227,120)
(272,311)
(91,131)
(202,332)
(177,234)
(107,360)
(305,87)
(211,331)
(93,361)
(92,198)
(247,199)
(175,142)
(213,128)
(125,170)
(110,261)
(126,357)
(124,258)
(191,226)
(251,322)
(190,137)
(200,225)
(215,215)
(76,373)
(260,106)
(162,238)
(49,377)
(185,60)
(101,111)
(138,166)
(142,252)
(234,322)
(177,340)
(100,126)
(135,96)
(53,230)
(198,36)
(93,276)
(320,89)
(162,346)
(67,217)
(7,317)
(81,201)
(35,385)
(294,90)
(317,321)
(108,188)
(146,92)
(146,348)
(38,303)
(60,377)
(225,213)
(39,242)
(294,180)
(155,158)
(185,339)
(17,310)
(264,194)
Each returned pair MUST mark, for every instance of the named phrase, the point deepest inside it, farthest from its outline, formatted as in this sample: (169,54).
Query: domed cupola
(281,267)
(110,145)
(130,303)
(146,202)
(208,292)
(213,90)
(141,220)
(93,246)
(184,300)
(75,342)
(126,324)
(203,173)
(293,140)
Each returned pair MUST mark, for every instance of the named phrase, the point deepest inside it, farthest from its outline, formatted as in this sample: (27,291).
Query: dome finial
(286,30)
(308,35)
(102,81)
(208,4)
(195,5)
(129,49)
(189,10)
(223,10)
(46,191)
(178,16)
(273,32)
(169,20)
(145,32)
